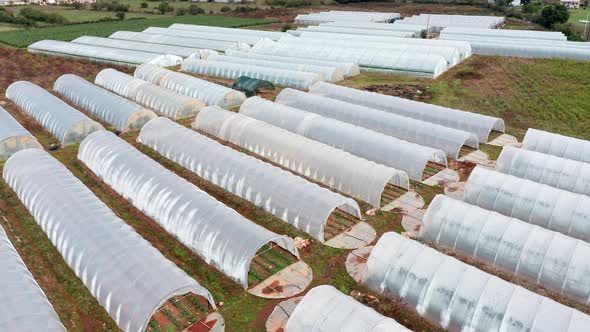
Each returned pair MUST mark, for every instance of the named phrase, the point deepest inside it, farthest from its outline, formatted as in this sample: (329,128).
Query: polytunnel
(274,35)
(163,101)
(208,92)
(557,145)
(548,258)
(216,45)
(386,150)
(180,51)
(478,124)
(276,76)
(505,33)
(66,123)
(125,273)
(334,168)
(115,110)
(327,73)
(417,131)
(374,26)
(13,136)
(291,198)
(326,309)
(220,235)
(360,31)
(460,297)
(24,304)
(535,203)
(566,174)
(102,54)
(349,69)
(247,39)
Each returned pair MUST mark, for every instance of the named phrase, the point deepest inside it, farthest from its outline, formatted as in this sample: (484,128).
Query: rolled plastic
(216,45)
(220,235)
(553,260)
(277,191)
(459,297)
(180,51)
(417,131)
(13,136)
(115,110)
(116,264)
(66,123)
(209,93)
(163,101)
(557,145)
(334,168)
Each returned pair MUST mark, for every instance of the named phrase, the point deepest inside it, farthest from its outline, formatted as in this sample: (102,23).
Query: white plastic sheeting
(566,174)
(557,145)
(522,40)
(439,21)
(349,69)
(125,273)
(335,168)
(420,132)
(210,93)
(274,35)
(184,52)
(163,101)
(341,15)
(102,54)
(535,203)
(13,136)
(362,32)
(549,258)
(376,26)
(387,150)
(66,123)
(460,297)
(216,45)
(478,124)
(24,305)
(300,203)
(331,73)
(107,106)
(247,39)
(223,69)
(505,33)
(220,235)
(326,309)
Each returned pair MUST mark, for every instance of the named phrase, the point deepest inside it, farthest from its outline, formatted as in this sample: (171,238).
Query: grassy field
(579,14)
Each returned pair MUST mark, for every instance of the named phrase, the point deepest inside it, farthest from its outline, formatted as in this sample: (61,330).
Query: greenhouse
(208,92)
(386,150)
(505,33)
(224,69)
(557,145)
(233,31)
(326,309)
(420,132)
(246,39)
(180,51)
(102,54)
(337,15)
(349,69)
(478,124)
(360,31)
(331,74)
(154,97)
(66,123)
(375,26)
(383,60)
(24,304)
(521,40)
(566,174)
(535,203)
(117,111)
(335,168)
(436,22)
(545,257)
(216,45)
(460,297)
(115,264)
(220,235)
(13,136)
(277,191)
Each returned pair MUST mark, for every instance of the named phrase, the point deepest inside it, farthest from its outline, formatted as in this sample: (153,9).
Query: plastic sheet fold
(13,136)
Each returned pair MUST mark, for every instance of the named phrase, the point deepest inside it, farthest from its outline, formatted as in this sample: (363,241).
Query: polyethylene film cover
(66,123)
(125,273)
(480,125)
(420,132)
(271,188)
(335,168)
(24,305)
(536,203)
(209,35)
(549,258)
(13,136)
(459,297)
(184,52)
(326,309)
(220,235)
(557,145)
(232,31)
(387,150)
(216,45)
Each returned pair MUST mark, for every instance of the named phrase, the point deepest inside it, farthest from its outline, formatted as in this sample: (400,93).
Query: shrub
(286,27)
(165,7)
(553,14)
(531,8)
(120,15)
(39,16)
(568,30)
(181,11)
(195,10)
(225,9)
(144,5)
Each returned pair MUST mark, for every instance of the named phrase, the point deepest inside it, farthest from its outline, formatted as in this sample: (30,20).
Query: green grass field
(579,14)
(25,37)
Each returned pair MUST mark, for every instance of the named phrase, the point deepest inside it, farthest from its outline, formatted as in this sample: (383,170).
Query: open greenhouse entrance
(188,312)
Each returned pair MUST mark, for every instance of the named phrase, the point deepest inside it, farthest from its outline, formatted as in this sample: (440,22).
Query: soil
(412,91)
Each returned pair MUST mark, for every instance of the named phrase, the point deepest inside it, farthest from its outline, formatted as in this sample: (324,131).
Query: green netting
(249,85)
